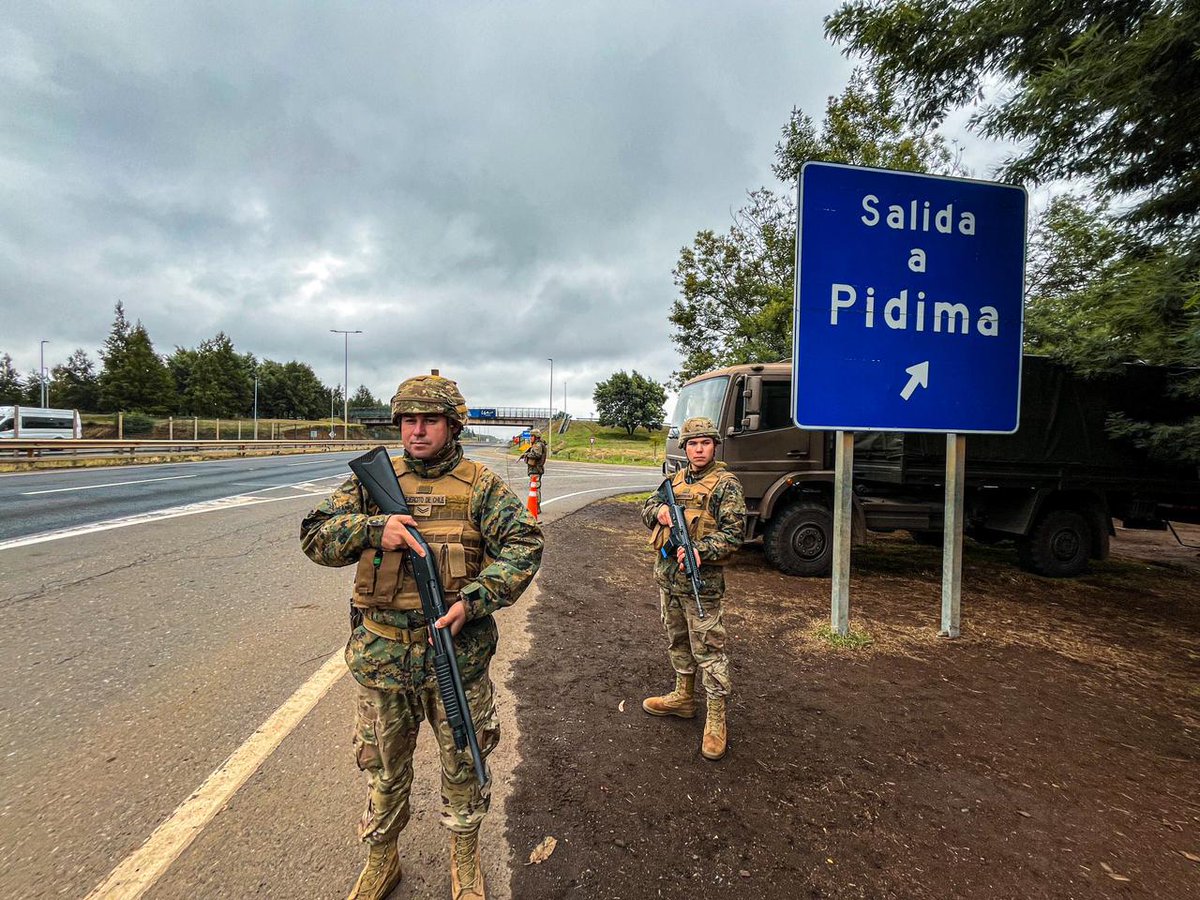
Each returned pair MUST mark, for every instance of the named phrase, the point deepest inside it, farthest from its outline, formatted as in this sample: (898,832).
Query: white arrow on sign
(918,377)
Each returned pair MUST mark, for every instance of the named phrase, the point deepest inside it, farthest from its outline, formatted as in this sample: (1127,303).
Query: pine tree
(74,384)
(12,390)
(134,377)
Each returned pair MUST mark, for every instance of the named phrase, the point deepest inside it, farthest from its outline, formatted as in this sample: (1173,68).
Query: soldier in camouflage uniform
(488,549)
(535,456)
(715,510)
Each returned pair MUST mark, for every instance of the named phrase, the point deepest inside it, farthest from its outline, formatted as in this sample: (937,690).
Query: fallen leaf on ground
(1023,813)
(542,851)
(621,706)
(1192,856)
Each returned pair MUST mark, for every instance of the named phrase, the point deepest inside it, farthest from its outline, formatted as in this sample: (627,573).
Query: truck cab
(1054,486)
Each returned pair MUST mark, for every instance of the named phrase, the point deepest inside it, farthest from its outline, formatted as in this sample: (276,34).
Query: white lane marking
(92,487)
(307,489)
(141,869)
(632,487)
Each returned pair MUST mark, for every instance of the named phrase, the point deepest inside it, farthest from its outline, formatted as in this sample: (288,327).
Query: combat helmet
(536,432)
(430,394)
(696,427)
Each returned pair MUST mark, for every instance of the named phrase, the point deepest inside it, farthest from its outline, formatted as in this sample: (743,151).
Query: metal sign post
(843,496)
(909,317)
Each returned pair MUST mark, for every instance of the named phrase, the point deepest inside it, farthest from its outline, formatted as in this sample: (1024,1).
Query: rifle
(681,538)
(378,478)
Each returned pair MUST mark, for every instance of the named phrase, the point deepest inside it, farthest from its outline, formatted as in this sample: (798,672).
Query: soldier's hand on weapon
(396,536)
(679,556)
(664,515)
(455,618)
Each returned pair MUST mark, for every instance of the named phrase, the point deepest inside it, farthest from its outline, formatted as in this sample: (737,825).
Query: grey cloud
(477,186)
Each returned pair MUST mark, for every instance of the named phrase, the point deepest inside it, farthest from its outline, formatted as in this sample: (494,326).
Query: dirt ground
(1051,751)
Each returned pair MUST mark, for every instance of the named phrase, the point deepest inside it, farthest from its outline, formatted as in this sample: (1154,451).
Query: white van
(29,423)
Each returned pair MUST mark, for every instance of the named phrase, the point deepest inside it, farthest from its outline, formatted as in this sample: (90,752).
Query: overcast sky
(476,186)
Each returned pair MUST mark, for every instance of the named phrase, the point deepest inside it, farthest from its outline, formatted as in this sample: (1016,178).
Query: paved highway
(161,636)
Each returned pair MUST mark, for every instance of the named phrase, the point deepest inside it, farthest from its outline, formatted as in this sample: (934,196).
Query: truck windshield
(703,398)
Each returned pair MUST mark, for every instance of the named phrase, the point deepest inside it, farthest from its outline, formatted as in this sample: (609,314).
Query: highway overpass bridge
(521,416)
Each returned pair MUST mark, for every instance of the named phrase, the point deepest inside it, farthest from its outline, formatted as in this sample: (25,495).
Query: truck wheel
(1059,545)
(799,540)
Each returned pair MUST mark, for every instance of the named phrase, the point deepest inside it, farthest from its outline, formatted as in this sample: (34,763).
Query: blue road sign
(483,412)
(909,302)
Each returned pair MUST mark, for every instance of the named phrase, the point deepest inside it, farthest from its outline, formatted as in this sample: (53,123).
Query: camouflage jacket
(535,458)
(728,506)
(347,523)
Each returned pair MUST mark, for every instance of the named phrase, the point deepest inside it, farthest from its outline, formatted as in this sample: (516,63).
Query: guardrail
(97,446)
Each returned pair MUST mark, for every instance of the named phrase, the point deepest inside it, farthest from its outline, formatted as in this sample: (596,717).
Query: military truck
(1054,487)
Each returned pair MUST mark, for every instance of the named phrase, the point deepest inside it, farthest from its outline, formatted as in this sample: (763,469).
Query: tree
(181,364)
(630,402)
(735,302)
(1105,91)
(1073,247)
(11,388)
(134,377)
(32,395)
(364,399)
(220,384)
(291,390)
(74,384)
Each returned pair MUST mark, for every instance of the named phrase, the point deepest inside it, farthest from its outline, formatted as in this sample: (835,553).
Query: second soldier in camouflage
(715,510)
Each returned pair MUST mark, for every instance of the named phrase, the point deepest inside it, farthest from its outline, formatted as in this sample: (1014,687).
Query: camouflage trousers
(385,736)
(694,643)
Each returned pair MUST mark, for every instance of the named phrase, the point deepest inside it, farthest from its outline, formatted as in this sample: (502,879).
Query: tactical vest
(441,507)
(695,499)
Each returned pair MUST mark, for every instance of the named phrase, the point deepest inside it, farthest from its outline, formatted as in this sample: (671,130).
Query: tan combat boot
(680,702)
(466,878)
(380,875)
(713,746)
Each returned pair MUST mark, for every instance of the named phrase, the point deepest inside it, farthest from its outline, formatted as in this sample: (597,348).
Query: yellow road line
(141,869)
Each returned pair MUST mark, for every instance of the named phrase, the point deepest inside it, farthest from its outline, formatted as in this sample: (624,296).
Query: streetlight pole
(346,382)
(550,411)
(42,374)
(256,404)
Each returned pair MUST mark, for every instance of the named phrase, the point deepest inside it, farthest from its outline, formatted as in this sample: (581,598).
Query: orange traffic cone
(535,492)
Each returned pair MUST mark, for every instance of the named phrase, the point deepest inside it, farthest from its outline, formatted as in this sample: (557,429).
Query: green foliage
(1105,91)
(134,377)
(853,639)
(32,395)
(181,363)
(137,423)
(364,399)
(735,302)
(11,388)
(291,390)
(630,402)
(74,384)
(221,385)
